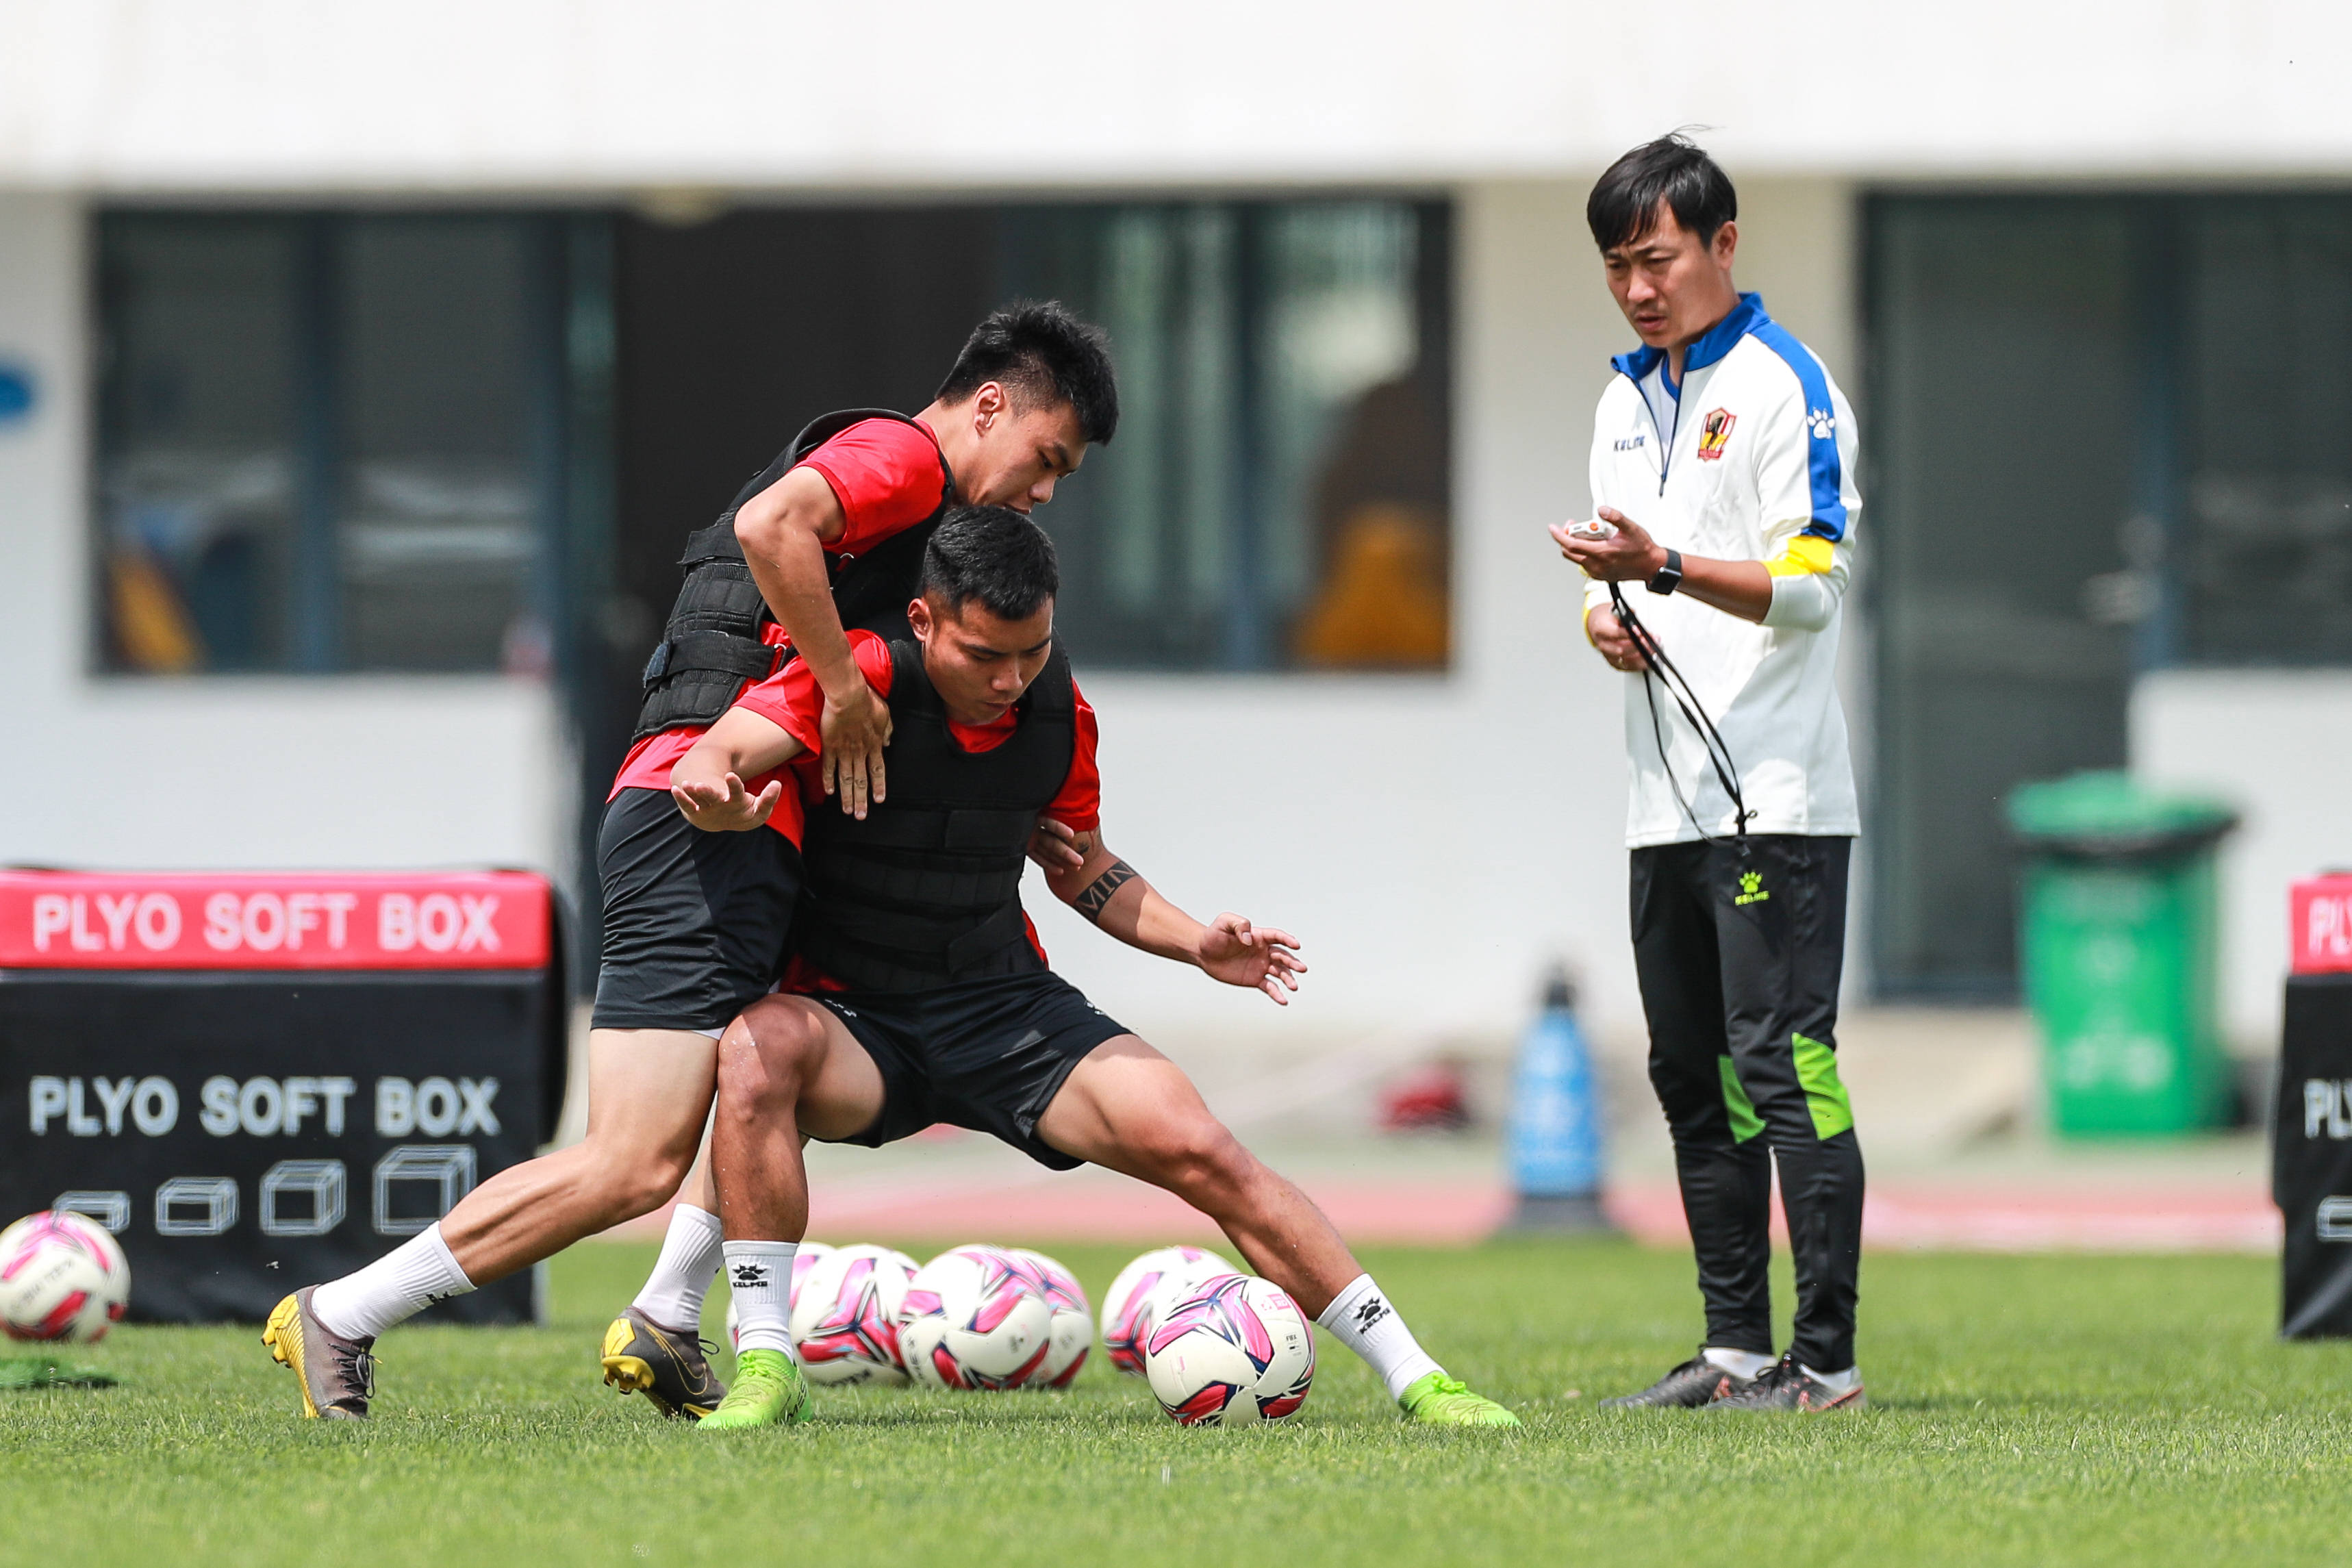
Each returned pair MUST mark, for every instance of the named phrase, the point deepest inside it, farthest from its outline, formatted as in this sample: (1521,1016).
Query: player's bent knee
(770,1051)
(1200,1159)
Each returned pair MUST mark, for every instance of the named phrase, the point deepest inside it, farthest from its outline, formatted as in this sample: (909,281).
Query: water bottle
(1554,1136)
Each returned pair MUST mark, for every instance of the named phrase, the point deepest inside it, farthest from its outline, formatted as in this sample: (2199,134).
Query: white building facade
(1436,825)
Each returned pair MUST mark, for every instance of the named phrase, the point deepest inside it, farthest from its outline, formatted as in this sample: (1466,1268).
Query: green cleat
(1437,1400)
(769,1392)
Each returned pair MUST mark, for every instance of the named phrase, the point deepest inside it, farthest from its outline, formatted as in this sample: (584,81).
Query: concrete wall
(119,771)
(527,94)
(2278,745)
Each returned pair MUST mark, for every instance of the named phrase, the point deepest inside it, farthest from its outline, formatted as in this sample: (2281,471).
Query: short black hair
(1675,170)
(1041,349)
(994,554)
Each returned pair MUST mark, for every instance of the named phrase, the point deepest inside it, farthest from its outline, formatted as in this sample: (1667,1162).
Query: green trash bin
(2117,933)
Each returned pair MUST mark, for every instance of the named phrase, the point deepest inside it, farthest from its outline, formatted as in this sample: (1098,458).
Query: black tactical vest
(927,891)
(710,650)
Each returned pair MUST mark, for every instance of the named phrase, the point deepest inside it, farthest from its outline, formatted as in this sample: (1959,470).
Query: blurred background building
(360,374)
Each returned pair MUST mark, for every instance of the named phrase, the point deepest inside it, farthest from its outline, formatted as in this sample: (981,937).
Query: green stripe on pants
(1745,1122)
(1824,1090)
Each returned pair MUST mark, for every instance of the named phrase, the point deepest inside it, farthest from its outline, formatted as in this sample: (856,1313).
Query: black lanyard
(1656,665)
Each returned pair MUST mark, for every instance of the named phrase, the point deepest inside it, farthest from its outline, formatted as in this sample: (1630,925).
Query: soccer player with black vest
(924,996)
(1728,440)
(829,536)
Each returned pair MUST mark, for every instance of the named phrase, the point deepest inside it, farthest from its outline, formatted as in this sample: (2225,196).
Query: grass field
(2028,1410)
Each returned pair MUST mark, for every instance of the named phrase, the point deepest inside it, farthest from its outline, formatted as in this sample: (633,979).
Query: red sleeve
(790,697)
(887,477)
(1079,802)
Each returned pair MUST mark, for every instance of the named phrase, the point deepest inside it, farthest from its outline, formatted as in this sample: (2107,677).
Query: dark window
(2104,438)
(327,442)
(1276,496)
(2263,305)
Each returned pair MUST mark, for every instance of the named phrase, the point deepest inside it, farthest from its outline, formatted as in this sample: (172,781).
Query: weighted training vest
(710,649)
(927,890)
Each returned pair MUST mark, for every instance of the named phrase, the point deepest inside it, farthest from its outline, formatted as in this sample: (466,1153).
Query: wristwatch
(1670,575)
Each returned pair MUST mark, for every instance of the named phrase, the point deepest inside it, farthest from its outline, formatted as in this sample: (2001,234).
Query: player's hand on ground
(1627,555)
(1613,641)
(1256,958)
(1054,847)
(852,732)
(725,805)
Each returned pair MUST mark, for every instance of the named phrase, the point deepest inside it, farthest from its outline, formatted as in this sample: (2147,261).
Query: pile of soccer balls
(1218,1347)
(62,1279)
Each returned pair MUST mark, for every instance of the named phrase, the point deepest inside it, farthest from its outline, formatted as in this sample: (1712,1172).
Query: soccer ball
(1235,1352)
(845,1316)
(973,1319)
(1074,1320)
(61,1278)
(1127,1309)
(805,1259)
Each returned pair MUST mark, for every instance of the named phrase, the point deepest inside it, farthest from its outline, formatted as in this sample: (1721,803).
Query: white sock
(682,1274)
(760,1273)
(392,1290)
(1747,1365)
(1844,1382)
(1360,1318)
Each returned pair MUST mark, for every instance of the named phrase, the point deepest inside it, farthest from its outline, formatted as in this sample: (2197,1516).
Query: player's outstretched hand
(1054,847)
(726,806)
(853,733)
(1257,958)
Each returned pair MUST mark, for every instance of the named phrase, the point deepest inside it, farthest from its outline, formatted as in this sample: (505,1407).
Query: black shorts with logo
(989,1054)
(696,924)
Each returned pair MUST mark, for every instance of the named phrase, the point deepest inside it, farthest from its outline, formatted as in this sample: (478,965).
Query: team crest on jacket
(1714,431)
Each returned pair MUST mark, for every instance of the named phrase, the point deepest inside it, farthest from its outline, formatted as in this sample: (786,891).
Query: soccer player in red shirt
(929,998)
(695,923)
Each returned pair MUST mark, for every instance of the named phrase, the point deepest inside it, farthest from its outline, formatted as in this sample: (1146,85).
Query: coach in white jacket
(1723,472)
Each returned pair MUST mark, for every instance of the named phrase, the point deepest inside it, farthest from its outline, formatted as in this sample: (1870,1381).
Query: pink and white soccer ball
(974,1319)
(804,1259)
(845,1318)
(1235,1351)
(61,1278)
(1128,1308)
(1074,1320)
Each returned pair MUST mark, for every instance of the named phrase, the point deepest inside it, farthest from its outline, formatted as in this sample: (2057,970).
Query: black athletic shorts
(989,1054)
(696,924)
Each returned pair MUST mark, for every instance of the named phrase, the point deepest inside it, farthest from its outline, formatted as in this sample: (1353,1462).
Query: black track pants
(1738,961)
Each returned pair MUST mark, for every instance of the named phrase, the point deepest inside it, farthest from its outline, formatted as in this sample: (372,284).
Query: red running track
(1095,1207)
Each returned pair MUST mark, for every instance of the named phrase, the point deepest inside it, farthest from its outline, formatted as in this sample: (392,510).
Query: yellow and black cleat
(670,1369)
(337,1375)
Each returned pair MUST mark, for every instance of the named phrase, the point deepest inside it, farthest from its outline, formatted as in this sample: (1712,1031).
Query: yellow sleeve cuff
(1808,553)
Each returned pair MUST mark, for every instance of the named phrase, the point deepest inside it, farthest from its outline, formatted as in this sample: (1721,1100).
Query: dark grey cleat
(1696,1382)
(669,1368)
(337,1375)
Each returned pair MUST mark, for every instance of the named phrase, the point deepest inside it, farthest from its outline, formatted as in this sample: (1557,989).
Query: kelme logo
(1751,888)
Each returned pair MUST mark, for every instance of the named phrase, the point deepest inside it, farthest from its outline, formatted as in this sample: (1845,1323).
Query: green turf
(2028,1410)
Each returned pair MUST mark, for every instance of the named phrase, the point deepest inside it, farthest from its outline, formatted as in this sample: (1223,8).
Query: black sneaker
(1788,1386)
(671,1369)
(1696,1382)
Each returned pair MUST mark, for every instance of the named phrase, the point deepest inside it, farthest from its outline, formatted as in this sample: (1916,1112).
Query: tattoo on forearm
(1097,893)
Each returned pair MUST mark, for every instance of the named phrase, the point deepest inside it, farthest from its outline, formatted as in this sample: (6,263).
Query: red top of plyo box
(2321,935)
(273,919)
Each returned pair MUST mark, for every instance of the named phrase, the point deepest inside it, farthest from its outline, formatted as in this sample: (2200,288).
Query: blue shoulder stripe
(1821,424)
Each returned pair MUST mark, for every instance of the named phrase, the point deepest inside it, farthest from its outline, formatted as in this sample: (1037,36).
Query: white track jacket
(1750,458)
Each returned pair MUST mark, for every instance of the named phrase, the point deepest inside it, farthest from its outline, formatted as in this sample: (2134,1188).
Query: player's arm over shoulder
(800,504)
